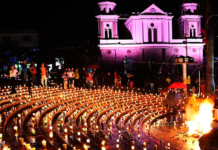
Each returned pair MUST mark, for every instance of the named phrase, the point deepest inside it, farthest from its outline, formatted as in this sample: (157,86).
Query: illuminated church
(151,37)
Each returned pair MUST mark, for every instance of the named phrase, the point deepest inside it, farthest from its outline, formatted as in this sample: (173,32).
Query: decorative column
(184,68)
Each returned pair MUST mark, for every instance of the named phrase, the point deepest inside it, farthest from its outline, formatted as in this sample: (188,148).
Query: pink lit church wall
(151,32)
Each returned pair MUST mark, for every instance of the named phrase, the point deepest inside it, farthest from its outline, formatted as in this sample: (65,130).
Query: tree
(210,86)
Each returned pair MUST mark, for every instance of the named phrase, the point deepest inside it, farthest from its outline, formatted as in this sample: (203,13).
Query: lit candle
(103,143)
(21,141)
(51,135)
(27,146)
(44,143)
(117,146)
(88,141)
(65,130)
(65,146)
(78,133)
(85,147)
(33,131)
(132,147)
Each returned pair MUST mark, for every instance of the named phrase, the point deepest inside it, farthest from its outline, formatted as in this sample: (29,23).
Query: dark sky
(71,22)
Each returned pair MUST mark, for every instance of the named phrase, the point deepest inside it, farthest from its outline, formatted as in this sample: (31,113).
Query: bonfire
(199,116)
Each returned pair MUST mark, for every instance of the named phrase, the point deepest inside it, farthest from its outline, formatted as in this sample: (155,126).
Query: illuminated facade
(151,32)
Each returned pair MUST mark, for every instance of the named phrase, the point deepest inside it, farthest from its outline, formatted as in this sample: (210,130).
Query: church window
(194,32)
(155,35)
(190,32)
(149,35)
(108,32)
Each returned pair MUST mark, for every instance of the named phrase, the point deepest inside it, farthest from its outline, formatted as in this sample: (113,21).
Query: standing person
(95,78)
(29,85)
(115,79)
(70,78)
(90,79)
(32,70)
(152,86)
(13,73)
(43,75)
(83,77)
(108,79)
(119,81)
(76,74)
(24,70)
(72,69)
(65,82)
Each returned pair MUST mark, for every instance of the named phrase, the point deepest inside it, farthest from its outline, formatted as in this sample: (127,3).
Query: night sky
(73,22)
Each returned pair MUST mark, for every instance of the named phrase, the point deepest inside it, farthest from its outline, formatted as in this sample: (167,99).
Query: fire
(199,120)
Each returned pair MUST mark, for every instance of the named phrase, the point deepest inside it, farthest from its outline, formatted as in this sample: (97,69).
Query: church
(151,42)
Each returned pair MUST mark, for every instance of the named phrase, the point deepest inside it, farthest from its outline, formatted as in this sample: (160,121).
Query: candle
(33,131)
(21,141)
(51,135)
(103,143)
(78,133)
(43,143)
(85,147)
(103,148)
(27,146)
(132,147)
(65,130)
(118,140)
(88,141)
(65,146)
(117,146)
(144,144)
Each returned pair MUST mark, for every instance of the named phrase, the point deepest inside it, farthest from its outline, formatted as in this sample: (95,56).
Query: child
(65,80)
(90,79)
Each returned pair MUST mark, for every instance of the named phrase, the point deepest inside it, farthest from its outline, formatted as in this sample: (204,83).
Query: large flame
(199,116)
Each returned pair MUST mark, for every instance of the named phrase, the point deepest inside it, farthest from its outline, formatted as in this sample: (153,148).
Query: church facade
(152,41)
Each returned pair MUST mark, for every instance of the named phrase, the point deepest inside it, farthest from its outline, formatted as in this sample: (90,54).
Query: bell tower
(190,20)
(107,20)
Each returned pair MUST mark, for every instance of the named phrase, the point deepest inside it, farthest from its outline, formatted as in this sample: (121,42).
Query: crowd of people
(68,77)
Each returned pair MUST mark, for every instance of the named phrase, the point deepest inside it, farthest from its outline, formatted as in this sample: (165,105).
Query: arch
(155,35)
(190,33)
(110,33)
(149,35)
(105,34)
(194,32)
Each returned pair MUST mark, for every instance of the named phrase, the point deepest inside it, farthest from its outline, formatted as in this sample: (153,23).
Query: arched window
(106,34)
(190,33)
(110,34)
(149,35)
(194,33)
(155,35)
